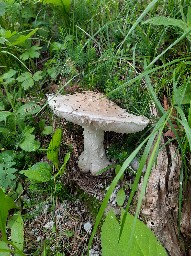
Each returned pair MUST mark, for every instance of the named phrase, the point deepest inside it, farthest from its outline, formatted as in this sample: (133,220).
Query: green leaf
(189,16)
(28,109)
(2,8)
(17,231)
(120,197)
(47,130)
(37,76)
(29,143)
(165,21)
(31,53)
(53,148)
(182,95)
(40,172)
(8,77)
(65,3)
(7,171)
(4,249)
(141,243)
(22,38)
(63,167)
(109,235)
(4,115)
(6,204)
(26,80)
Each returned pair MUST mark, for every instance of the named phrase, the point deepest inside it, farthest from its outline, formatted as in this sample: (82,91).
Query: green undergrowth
(135,52)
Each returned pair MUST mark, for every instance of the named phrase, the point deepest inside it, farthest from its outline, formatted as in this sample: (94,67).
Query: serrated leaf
(6,204)
(31,53)
(37,76)
(120,197)
(29,144)
(26,80)
(40,172)
(165,21)
(4,115)
(7,176)
(28,109)
(53,148)
(8,77)
(17,231)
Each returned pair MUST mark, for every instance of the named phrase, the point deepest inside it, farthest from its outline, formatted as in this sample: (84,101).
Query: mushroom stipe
(96,114)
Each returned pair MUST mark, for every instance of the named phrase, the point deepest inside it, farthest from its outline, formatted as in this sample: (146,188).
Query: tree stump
(160,205)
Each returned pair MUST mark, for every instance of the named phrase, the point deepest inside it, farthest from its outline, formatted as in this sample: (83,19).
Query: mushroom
(96,114)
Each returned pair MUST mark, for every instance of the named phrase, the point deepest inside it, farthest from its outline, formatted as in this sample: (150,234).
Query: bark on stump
(160,206)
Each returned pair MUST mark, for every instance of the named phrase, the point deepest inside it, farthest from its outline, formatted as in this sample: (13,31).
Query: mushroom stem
(93,157)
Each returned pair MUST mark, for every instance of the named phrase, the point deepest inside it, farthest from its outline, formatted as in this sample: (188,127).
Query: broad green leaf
(31,53)
(4,115)
(120,197)
(29,143)
(165,21)
(28,109)
(40,172)
(109,236)
(4,249)
(26,80)
(6,204)
(53,148)
(17,231)
(142,243)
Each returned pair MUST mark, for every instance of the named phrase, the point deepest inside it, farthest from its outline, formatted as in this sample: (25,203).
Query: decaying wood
(186,218)
(160,206)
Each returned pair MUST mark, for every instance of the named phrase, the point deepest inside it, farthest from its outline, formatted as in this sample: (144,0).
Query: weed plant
(136,52)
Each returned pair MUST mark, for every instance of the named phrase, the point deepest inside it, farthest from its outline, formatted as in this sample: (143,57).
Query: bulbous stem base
(93,158)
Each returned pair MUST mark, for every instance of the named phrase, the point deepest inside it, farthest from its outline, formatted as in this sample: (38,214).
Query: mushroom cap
(94,109)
